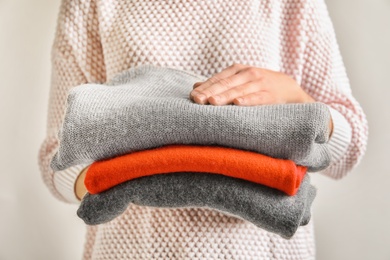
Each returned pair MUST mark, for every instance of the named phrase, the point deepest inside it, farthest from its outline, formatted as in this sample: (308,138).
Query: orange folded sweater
(280,174)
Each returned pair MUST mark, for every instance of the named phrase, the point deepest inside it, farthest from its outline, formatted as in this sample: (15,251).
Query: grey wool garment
(149,106)
(265,207)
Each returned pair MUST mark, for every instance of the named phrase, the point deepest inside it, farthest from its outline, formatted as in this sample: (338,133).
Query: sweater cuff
(65,181)
(341,136)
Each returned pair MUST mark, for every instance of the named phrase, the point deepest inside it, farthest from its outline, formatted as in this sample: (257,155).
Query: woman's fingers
(223,89)
(225,73)
(227,97)
(256,98)
(197,84)
(249,86)
(217,83)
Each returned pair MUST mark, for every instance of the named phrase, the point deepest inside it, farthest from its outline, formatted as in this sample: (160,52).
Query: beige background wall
(351,216)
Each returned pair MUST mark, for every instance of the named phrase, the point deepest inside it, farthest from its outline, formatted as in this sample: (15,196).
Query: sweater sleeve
(64,182)
(324,78)
(76,58)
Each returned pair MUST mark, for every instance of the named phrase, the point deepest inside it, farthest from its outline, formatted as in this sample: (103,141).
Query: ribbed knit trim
(341,136)
(65,180)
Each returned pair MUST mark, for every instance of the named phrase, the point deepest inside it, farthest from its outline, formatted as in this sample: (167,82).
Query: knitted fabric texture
(148,106)
(280,174)
(265,207)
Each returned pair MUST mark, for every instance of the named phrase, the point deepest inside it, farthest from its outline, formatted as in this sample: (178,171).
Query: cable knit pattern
(95,40)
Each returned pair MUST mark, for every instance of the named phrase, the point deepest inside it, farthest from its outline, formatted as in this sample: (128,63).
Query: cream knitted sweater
(95,40)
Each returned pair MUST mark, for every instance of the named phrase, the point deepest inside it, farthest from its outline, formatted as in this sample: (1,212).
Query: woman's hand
(249,86)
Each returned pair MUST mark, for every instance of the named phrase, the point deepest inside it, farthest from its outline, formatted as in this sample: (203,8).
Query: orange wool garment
(280,174)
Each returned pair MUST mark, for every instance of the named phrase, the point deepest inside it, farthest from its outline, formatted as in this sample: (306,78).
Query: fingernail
(240,100)
(217,98)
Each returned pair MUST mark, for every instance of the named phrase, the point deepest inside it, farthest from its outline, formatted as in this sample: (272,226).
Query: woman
(253,53)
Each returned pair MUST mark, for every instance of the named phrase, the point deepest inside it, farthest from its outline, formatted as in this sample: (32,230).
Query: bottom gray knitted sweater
(265,207)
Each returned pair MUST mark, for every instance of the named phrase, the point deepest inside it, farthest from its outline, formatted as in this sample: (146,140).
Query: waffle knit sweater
(95,40)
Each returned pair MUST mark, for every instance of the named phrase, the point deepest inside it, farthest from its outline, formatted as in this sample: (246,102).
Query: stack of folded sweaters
(150,145)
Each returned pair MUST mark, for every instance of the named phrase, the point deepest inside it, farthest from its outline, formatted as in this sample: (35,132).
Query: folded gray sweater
(149,106)
(265,207)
